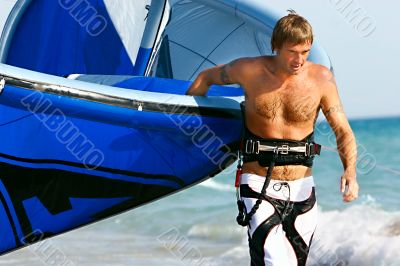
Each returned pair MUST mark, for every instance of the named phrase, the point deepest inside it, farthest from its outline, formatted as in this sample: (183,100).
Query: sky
(364,48)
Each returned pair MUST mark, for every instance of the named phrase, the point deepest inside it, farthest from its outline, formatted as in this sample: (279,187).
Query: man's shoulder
(252,60)
(320,72)
(263,59)
(249,65)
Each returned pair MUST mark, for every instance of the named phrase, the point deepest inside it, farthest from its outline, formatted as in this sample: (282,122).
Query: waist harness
(270,152)
(281,151)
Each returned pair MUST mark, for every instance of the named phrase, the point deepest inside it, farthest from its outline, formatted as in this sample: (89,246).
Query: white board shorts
(281,230)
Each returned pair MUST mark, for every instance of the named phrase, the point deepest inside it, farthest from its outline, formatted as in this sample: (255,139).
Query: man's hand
(349,186)
(199,86)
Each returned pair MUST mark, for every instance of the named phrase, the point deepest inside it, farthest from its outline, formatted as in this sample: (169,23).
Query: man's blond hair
(293,29)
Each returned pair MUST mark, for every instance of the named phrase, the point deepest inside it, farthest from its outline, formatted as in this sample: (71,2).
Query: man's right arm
(346,142)
(220,75)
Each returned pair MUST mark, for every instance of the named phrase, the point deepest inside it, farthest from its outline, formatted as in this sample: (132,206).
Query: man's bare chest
(293,104)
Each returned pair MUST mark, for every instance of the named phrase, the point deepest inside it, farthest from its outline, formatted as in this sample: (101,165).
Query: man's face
(293,56)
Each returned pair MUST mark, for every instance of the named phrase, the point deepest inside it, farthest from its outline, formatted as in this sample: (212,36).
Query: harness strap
(244,218)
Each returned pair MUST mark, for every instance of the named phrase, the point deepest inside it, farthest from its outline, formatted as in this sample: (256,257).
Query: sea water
(197,226)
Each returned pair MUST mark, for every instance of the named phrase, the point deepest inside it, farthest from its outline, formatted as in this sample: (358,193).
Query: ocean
(198,227)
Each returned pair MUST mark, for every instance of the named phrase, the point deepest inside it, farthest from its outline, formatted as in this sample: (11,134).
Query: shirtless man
(283,95)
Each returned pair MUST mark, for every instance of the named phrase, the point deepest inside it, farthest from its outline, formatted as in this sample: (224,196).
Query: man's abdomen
(285,172)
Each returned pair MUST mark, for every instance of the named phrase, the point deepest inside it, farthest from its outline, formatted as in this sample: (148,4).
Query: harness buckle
(256,145)
(248,146)
(252,146)
(284,149)
(308,150)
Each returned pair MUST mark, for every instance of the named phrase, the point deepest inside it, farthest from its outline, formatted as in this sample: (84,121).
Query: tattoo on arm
(338,108)
(334,109)
(224,74)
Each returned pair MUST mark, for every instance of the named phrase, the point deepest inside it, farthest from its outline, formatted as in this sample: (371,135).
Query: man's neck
(281,72)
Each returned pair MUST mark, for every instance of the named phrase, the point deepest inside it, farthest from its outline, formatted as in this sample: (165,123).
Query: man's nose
(301,58)
(298,58)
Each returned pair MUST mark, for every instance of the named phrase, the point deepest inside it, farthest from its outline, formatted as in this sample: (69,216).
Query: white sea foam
(359,235)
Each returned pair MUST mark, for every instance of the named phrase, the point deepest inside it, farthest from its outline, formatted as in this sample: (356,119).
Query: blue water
(197,226)
(378,164)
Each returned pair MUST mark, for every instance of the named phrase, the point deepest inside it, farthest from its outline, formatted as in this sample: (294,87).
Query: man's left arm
(346,142)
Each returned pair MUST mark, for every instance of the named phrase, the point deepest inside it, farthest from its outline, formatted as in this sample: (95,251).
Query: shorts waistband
(300,189)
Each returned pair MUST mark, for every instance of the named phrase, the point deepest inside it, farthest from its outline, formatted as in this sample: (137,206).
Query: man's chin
(295,71)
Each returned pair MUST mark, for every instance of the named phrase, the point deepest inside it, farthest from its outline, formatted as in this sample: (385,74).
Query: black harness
(270,152)
(281,151)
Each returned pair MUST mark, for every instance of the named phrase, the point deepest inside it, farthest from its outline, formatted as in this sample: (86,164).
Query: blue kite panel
(65,37)
(67,162)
